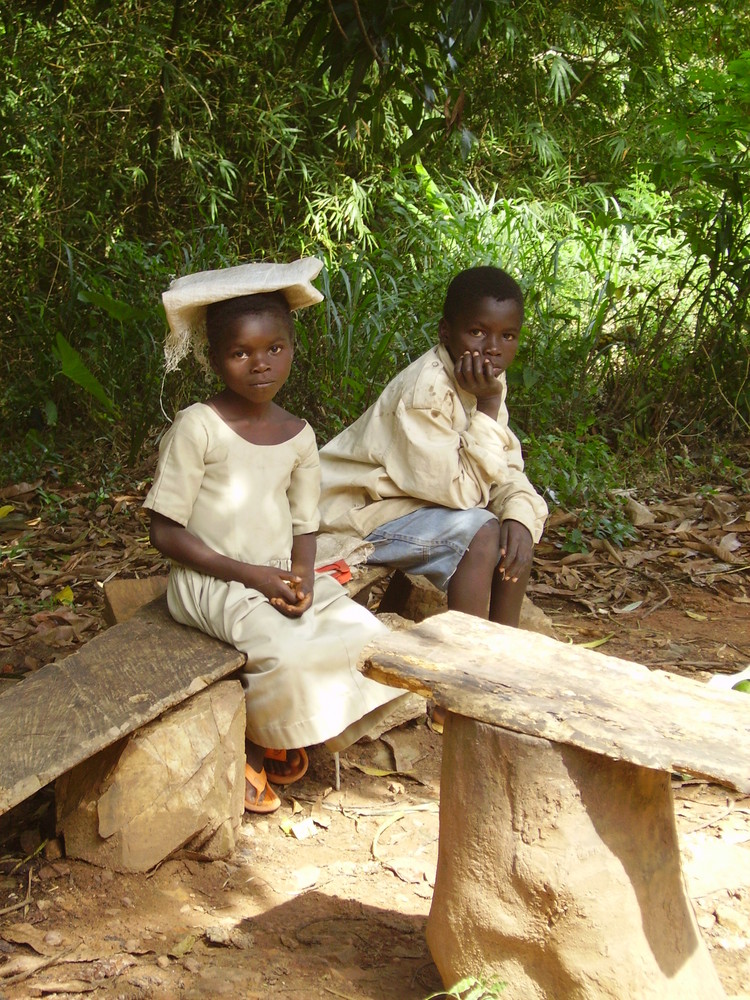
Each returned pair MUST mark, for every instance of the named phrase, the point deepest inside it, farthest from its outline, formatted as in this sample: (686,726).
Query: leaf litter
(665,599)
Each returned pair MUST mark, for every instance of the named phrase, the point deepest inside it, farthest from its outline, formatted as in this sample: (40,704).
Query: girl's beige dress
(247,501)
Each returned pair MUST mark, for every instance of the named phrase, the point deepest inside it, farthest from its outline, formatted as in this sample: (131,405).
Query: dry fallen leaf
(27,934)
(73,986)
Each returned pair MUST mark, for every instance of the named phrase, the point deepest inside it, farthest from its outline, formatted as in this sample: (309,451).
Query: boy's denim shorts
(430,541)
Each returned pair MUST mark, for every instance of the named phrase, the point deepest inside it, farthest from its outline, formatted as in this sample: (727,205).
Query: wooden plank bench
(559,869)
(122,679)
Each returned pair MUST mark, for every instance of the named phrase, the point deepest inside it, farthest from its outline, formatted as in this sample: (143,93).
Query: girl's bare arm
(303,569)
(177,543)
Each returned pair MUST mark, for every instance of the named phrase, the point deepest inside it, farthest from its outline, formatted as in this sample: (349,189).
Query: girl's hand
(279,585)
(303,572)
(290,592)
(303,590)
(517,550)
(304,600)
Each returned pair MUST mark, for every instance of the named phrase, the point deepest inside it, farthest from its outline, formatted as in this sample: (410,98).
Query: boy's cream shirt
(423,443)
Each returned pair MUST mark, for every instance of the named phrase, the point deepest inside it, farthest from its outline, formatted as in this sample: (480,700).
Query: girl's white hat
(186,298)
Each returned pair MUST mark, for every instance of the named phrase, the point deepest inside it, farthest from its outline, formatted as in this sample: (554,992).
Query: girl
(234,506)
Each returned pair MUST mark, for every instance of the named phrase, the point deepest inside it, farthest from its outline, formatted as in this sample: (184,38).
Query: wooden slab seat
(123,678)
(558,868)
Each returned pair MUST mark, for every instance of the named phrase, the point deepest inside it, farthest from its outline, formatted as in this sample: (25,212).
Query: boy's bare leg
(476,588)
(470,587)
(506,599)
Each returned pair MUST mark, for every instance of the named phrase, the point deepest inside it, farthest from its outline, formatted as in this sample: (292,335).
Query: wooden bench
(559,869)
(122,679)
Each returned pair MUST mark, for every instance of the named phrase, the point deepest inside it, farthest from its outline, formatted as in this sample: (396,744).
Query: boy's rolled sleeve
(517,500)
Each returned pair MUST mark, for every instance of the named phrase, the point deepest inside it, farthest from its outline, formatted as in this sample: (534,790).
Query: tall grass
(614,339)
(615,305)
(609,354)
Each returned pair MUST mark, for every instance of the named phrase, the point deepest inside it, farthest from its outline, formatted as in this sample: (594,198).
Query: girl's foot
(259,796)
(284,767)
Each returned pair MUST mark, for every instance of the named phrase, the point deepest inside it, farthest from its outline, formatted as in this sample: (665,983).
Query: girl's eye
(277,349)
(476,333)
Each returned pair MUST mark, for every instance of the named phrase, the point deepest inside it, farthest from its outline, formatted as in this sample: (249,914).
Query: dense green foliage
(600,153)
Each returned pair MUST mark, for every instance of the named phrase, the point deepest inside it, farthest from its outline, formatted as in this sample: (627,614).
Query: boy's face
(490,327)
(253,357)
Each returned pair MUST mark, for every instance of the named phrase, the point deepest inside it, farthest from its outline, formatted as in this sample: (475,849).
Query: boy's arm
(429,458)
(517,500)
(478,466)
(517,550)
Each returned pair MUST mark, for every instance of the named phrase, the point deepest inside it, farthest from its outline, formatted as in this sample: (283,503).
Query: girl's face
(253,357)
(491,326)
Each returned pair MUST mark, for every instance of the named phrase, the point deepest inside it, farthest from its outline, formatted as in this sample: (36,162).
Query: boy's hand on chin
(476,376)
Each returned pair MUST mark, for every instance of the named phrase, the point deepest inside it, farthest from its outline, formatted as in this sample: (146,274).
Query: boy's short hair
(221,315)
(479,283)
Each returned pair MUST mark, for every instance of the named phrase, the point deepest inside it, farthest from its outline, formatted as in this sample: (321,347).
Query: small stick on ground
(21,903)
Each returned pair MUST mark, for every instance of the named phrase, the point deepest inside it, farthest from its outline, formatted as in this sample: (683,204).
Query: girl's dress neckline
(254,444)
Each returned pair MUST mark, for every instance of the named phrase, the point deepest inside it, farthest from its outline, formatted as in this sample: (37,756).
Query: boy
(430,479)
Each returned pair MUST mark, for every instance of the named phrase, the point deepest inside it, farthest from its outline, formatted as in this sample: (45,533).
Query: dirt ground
(341,913)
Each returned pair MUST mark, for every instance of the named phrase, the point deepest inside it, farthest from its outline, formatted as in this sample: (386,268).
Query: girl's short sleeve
(304,488)
(179,472)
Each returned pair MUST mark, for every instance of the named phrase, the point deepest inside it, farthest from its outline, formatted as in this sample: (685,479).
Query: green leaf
(122,311)
(184,946)
(418,140)
(595,642)
(50,413)
(74,368)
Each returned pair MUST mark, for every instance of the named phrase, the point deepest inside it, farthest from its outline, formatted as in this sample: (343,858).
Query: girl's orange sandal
(281,755)
(266,800)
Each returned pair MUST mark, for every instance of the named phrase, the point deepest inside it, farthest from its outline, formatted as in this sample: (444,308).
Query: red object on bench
(339,570)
